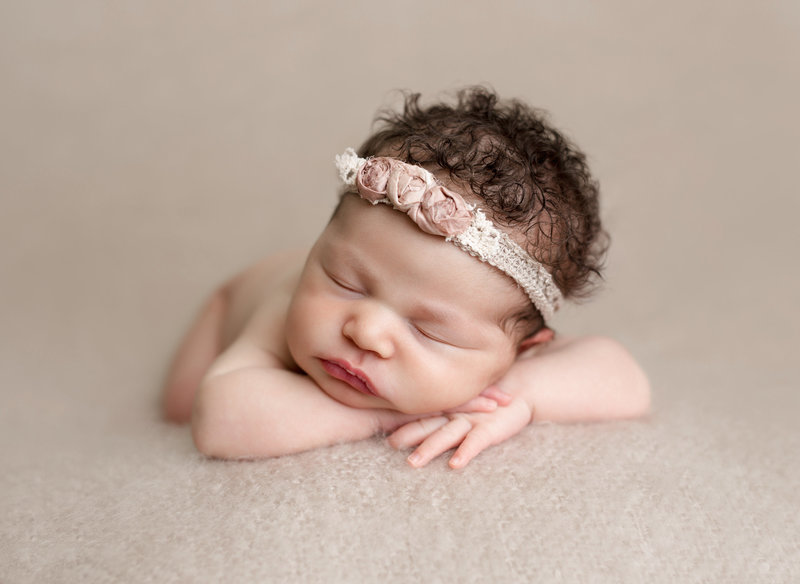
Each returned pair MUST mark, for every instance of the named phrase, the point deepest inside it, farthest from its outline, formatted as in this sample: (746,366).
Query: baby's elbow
(227,424)
(639,392)
(211,428)
(204,441)
(205,430)
(633,391)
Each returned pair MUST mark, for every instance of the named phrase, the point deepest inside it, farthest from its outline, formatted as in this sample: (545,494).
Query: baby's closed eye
(439,335)
(344,284)
(427,334)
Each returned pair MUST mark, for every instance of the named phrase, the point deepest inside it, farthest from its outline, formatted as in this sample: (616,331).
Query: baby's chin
(418,410)
(370,402)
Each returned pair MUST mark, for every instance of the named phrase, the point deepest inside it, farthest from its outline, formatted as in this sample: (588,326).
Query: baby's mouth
(353,377)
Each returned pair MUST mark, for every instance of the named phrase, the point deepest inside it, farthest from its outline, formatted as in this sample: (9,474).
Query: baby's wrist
(515,387)
(389,420)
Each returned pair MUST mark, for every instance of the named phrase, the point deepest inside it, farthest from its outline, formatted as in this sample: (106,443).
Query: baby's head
(390,311)
(508,160)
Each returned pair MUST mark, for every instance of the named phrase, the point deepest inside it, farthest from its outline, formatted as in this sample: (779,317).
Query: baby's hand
(471,432)
(487,401)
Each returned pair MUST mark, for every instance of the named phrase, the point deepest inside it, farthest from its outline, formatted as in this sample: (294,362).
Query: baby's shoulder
(261,292)
(269,272)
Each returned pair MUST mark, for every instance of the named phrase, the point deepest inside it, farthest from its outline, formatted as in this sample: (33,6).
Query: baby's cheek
(452,391)
(296,331)
(502,362)
(422,394)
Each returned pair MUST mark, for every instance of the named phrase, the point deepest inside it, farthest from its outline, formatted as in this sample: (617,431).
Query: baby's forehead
(521,234)
(385,244)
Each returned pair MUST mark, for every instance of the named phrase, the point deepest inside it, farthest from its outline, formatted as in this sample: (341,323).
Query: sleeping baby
(423,309)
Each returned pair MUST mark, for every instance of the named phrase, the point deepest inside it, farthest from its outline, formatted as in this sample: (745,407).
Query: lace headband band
(440,211)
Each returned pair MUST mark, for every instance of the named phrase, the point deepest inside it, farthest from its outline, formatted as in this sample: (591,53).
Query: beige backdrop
(149,149)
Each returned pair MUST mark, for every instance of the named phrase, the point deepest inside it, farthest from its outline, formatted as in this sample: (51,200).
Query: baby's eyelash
(345,286)
(342,284)
(428,335)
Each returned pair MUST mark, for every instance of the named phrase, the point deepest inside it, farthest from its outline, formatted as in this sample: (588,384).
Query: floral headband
(440,211)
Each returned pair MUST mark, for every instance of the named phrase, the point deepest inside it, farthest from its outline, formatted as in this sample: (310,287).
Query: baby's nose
(369,329)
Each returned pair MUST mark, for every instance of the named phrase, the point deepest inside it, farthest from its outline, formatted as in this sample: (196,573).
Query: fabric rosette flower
(442,212)
(412,189)
(373,178)
(406,186)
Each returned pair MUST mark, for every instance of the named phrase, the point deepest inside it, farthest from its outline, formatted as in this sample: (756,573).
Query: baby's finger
(496,394)
(476,404)
(473,444)
(440,441)
(415,432)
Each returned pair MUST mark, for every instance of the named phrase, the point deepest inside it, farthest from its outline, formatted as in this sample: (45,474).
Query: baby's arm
(580,379)
(566,380)
(250,406)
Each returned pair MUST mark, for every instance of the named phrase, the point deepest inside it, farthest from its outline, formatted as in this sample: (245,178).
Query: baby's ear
(543,335)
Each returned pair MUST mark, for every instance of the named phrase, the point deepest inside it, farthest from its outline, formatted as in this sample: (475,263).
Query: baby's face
(386,316)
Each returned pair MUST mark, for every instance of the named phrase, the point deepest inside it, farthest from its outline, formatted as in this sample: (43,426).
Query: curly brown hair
(532,179)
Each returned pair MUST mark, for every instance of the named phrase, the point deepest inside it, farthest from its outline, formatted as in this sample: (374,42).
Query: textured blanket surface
(151,149)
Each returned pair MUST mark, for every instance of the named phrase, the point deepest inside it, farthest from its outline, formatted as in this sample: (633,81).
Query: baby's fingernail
(456,461)
(414,459)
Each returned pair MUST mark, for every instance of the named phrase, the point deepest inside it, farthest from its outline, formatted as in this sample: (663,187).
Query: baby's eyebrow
(343,255)
(435,312)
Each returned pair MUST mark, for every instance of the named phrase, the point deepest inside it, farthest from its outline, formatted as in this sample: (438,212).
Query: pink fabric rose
(407,184)
(436,210)
(442,212)
(373,178)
